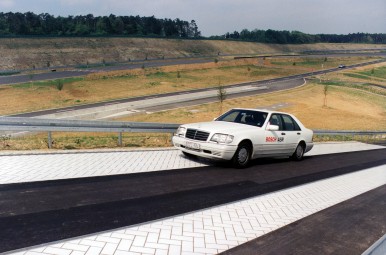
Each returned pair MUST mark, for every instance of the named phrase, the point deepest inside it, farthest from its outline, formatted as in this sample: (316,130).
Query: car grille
(196,134)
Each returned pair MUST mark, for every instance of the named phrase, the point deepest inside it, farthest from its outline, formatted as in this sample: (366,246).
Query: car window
(231,117)
(276,120)
(248,117)
(289,123)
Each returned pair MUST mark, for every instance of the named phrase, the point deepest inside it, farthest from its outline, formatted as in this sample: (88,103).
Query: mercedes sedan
(241,135)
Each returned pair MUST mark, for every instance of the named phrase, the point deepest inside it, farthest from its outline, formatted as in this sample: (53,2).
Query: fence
(55,125)
(22,124)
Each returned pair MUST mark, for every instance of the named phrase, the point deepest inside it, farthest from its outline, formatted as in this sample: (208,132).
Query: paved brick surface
(207,231)
(220,228)
(16,167)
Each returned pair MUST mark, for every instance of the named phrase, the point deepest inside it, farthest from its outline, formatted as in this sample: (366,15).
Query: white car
(241,135)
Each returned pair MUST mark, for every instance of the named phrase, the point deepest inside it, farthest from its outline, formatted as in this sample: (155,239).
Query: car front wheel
(242,156)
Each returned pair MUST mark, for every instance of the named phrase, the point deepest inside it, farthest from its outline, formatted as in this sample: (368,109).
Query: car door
(291,133)
(274,142)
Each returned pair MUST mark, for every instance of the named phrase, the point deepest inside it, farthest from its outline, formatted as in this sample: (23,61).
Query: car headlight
(181,131)
(222,138)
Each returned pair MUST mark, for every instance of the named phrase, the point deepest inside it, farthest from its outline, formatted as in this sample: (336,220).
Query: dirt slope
(29,53)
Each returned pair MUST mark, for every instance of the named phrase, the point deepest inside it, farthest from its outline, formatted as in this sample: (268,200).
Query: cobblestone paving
(208,231)
(15,168)
(220,228)
(18,167)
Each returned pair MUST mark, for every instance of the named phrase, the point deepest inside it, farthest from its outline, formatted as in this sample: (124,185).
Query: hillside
(29,53)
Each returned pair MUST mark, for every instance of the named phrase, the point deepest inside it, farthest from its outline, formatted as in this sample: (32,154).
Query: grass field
(307,103)
(35,96)
(349,106)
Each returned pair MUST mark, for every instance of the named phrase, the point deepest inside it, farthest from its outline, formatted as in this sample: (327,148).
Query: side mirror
(273,128)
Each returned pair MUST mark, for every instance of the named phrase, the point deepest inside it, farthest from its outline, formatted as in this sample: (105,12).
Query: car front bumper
(205,149)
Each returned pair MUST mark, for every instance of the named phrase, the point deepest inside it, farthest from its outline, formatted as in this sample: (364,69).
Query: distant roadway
(57,74)
(272,85)
(275,84)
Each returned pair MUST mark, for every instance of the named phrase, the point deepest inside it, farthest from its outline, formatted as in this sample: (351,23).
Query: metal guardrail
(348,132)
(55,125)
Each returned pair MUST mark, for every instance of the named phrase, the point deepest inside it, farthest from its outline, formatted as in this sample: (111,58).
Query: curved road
(275,84)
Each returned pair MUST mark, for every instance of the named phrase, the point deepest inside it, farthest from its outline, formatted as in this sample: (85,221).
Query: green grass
(86,141)
(42,84)
(365,87)
(95,65)
(306,62)
(6,73)
(344,138)
(161,75)
(378,72)
(358,76)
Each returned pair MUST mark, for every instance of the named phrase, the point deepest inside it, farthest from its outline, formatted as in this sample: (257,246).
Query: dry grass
(89,140)
(132,83)
(368,112)
(347,108)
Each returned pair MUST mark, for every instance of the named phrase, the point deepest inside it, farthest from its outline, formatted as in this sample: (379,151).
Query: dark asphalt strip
(39,212)
(347,228)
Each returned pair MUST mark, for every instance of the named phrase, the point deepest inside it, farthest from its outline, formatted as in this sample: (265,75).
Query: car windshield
(247,117)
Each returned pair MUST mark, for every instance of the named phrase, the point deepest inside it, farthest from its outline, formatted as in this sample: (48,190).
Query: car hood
(220,127)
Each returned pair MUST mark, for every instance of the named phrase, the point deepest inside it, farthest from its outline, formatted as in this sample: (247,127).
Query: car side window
(276,120)
(289,123)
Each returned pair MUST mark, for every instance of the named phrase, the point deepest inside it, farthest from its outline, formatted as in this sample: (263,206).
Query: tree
(221,96)
(325,90)
(45,24)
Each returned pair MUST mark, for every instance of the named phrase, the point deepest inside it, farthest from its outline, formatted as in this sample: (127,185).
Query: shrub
(59,85)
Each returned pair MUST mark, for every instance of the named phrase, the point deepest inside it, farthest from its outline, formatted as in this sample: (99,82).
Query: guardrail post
(120,139)
(49,140)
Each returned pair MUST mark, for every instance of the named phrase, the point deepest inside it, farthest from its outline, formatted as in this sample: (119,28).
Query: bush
(59,85)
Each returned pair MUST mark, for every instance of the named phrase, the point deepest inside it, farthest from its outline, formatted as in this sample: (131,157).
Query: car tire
(242,156)
(299,153)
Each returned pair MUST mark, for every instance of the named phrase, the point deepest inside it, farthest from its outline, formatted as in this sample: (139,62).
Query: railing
(21,124)
(348,132)
(55,125)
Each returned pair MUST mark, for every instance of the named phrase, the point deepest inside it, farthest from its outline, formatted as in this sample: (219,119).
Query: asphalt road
(15,79)
(348,228)
(273,85)
(40,212)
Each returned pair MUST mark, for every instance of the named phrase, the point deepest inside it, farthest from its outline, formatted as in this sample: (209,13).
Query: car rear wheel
(242,156)
(299,152)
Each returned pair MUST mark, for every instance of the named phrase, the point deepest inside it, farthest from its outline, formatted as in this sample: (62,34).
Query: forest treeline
(30,24)
(296,37)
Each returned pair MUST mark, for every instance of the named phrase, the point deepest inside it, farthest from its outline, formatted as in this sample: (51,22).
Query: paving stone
(207,231)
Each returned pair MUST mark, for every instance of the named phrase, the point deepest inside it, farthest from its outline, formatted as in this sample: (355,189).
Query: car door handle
(299,133)
(282,133)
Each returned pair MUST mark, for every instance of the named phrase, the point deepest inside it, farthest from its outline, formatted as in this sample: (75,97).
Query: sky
(216,17)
